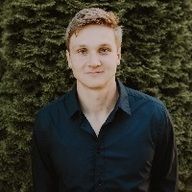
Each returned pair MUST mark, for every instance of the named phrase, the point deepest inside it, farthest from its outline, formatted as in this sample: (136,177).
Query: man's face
(93,56)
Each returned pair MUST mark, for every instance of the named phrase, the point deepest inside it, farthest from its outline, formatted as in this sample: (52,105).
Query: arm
(43,177)
(164,170)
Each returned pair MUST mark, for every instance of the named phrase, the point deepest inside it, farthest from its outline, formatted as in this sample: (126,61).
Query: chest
(120,150)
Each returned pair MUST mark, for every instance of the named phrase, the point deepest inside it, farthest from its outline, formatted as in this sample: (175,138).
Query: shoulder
(151,109)
(141,104)
(148,107)
(47,117)
(44,114)
(51,107)
(139,99)
(54,110)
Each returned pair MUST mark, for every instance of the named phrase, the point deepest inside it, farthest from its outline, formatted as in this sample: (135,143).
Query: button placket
(99,166)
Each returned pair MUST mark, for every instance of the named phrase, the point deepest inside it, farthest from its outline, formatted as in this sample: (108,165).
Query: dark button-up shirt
(134,151)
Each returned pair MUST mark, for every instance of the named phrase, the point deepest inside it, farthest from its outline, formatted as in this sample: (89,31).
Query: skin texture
(93,56)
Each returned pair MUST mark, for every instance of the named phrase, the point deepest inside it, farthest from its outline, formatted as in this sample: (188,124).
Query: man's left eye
(104,50)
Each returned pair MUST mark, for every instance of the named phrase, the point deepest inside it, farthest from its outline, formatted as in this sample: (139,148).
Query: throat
(97,121)
(97,105)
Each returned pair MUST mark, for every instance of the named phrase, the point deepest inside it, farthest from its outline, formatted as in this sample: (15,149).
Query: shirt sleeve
(164,169)
(44,179)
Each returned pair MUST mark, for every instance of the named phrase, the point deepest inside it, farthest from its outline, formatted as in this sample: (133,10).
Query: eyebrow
(81,45)
(105,45)
(102,45)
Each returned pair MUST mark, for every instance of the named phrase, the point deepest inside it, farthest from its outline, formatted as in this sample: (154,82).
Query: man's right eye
(82,51)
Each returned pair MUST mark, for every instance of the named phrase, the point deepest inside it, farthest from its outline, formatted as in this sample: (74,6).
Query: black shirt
(134,152)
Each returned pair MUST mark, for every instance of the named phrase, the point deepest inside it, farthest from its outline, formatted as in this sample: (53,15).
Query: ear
(68,58)
(119,55)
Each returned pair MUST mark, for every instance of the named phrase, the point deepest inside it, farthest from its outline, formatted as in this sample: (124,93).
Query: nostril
(94,64)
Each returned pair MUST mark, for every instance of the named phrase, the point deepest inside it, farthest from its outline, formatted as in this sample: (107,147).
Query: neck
(97,102)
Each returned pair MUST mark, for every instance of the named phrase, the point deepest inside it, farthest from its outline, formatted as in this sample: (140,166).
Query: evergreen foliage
(156,59)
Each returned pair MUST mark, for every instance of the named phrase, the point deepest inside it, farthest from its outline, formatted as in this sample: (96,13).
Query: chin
(94,84)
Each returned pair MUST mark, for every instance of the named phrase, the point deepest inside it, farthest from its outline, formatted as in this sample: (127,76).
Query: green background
(156,59)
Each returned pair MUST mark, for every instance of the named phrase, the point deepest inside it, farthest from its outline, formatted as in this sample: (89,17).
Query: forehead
(93,35)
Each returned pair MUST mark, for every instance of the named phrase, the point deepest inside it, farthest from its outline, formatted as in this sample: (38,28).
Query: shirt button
(99,185)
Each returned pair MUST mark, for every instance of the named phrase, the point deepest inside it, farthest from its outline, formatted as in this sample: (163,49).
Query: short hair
(95,16)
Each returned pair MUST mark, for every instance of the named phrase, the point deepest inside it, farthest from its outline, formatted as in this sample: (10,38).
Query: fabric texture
(135,150)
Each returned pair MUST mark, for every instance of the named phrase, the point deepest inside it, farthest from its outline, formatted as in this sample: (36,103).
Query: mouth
(94,72)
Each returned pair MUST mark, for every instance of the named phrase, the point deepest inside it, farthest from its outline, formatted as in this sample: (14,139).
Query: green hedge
(156,58)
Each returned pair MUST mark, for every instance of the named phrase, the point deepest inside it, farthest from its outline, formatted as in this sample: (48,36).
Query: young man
(101,135)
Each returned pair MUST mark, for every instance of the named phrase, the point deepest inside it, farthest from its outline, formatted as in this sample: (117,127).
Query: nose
(94,60)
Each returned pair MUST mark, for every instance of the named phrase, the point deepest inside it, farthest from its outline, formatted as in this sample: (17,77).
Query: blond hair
(95,16)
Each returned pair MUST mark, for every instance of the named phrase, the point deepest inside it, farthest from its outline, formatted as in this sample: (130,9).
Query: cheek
(78,61)
(76,66)
(112,62)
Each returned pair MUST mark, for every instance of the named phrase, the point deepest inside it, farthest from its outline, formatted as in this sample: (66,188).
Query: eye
(104,50)
(82,51)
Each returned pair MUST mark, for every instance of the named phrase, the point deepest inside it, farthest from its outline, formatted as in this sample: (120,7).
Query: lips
(94,72)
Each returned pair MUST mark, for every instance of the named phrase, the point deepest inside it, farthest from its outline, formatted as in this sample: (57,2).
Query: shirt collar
(72,102)
(123,101)
(73,105)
